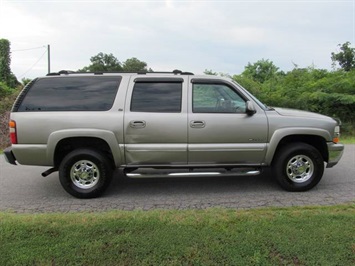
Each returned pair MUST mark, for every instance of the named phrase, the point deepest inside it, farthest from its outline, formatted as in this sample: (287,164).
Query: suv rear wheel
(298,167)
(85,173)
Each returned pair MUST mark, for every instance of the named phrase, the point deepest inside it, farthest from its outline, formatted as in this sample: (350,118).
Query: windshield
(263,106)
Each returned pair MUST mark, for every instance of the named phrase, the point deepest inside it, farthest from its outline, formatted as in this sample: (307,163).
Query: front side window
(216,98)
(71,94)
(159,97)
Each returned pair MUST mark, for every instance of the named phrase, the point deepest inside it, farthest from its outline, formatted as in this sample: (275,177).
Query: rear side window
(159,97)
(71,94)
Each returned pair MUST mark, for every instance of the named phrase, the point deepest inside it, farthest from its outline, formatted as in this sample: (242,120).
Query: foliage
(210,72)
(5,60)
(25,81)
(108,62)
(103,62)
(8,93)
(260,71)
(327,92)
(254,87)
(133,64)
(345,139)
(270,236)
(7,98)
(4,89)
(4,130)
(346,57)
(6,75)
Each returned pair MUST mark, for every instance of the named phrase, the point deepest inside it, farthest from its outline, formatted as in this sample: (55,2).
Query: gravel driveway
(22,189)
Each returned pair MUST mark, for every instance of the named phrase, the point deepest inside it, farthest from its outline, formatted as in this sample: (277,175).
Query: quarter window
(71,94)
(159,97)
(216,98)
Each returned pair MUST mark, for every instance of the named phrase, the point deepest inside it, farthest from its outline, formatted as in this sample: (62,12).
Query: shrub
(4,130)
(5,108)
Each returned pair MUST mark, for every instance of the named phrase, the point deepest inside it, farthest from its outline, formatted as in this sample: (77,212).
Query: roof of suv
(69,72)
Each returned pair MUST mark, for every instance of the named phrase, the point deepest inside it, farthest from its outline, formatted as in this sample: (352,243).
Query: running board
(160,173)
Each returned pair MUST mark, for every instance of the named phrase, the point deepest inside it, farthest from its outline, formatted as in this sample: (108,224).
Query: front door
(220,131)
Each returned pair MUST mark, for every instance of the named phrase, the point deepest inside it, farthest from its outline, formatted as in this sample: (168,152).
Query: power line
(33,65)
(28,49)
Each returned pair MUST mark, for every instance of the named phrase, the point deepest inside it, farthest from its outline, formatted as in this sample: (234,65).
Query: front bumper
(9,156)
(335,152)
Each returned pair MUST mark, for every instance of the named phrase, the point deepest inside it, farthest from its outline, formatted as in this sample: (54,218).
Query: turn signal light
(335,140)
(13,135)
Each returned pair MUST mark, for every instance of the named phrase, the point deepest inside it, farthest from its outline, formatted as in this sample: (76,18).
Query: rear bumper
(335,153)
(9,156)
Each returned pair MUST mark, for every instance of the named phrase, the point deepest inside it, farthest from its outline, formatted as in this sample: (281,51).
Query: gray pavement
(23,189)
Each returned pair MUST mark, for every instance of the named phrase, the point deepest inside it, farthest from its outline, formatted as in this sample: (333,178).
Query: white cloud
(191,35)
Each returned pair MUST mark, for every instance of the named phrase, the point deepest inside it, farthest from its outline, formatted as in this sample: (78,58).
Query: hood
(300,113)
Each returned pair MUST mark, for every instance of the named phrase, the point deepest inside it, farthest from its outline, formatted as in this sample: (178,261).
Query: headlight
(336,135)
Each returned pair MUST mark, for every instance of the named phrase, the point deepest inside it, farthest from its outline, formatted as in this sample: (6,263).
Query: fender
(279,134)
(107,136)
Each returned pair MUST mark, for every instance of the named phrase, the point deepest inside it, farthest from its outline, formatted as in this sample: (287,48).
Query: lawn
(270,236)
(347,139)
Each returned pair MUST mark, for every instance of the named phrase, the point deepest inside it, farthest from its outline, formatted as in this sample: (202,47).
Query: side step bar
(160,173)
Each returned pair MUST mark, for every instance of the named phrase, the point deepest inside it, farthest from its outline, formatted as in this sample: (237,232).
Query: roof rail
(65,72)
(68,72)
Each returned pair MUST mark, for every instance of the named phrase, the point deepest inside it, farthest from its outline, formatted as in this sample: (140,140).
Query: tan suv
(163,124)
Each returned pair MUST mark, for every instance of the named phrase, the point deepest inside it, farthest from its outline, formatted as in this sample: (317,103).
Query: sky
(222,36)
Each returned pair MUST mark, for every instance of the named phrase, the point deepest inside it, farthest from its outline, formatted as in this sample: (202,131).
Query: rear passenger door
(155,121)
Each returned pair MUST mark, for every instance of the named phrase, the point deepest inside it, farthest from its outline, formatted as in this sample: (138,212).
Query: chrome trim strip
(227,147)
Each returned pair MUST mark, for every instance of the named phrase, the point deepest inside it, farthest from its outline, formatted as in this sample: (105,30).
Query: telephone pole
(49,58)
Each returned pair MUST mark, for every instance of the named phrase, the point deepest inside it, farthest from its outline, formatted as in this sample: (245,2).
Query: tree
(133,64)
(260,71)
(210,72)
(345,58)
(25,81)
(6,75)
(103,62)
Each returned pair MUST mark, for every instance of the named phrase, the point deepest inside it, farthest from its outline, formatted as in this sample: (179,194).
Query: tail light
(13,135)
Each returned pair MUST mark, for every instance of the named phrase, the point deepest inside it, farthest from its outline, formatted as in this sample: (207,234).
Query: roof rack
(68,72)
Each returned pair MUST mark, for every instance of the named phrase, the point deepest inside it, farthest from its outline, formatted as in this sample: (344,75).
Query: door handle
(137,124)
(197,124)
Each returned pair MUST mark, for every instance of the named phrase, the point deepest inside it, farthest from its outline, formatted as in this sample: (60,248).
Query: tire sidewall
(284,156)
(98,159)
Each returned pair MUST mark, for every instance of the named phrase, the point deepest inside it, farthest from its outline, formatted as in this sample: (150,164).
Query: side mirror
(250,108)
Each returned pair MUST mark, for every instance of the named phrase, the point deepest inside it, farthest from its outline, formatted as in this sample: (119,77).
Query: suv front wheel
(85,173)
(298,167)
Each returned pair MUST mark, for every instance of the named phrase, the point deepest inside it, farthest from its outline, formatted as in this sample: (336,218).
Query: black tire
(85,173)
(298,167)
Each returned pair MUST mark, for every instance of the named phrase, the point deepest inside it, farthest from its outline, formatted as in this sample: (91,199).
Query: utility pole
(49,58)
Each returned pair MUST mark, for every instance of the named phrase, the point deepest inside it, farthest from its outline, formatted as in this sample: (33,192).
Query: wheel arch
(61,143)
(315,139)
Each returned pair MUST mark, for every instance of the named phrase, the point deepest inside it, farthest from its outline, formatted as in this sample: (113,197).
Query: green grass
(347,139)
(272,236)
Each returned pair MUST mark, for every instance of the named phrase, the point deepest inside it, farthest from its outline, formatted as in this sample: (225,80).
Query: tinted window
(71,94)
(216,98)
(156,97)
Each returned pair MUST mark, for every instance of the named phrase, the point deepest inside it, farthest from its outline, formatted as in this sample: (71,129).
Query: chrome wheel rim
(300,168)
(84,174)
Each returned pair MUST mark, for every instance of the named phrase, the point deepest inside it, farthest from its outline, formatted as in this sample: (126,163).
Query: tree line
(330,92)
(327,92)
